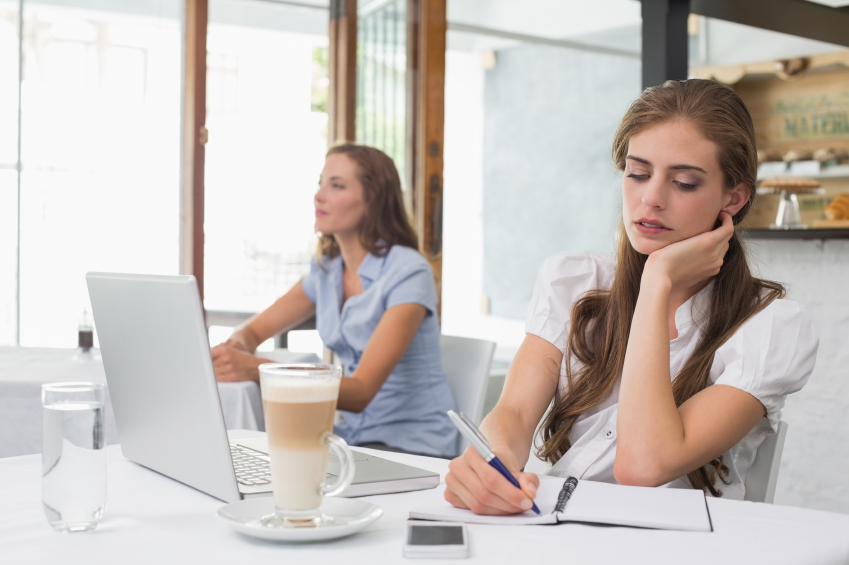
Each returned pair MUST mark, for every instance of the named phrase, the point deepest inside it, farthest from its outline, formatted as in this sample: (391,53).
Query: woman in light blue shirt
(374,300)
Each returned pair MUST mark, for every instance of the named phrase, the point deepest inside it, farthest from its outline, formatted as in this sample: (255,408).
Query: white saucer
(349,516)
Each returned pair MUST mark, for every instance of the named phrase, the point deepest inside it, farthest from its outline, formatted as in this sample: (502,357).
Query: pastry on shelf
(790,184)
(838,209)
(798,155)
(769,156)
(825,154)
(831,156)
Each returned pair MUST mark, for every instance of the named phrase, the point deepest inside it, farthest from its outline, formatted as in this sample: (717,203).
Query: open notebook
(591,502)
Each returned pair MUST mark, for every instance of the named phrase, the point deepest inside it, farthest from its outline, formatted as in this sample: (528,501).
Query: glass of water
(73,476)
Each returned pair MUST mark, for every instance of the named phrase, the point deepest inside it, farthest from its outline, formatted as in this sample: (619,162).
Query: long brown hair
(601,319)
(385,223)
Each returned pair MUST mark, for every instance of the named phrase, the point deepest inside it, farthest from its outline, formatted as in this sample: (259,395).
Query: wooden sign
(809,112)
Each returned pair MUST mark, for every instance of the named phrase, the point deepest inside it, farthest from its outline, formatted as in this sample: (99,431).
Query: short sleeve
(310,282)
(770,356)
(410,280)
(563,279)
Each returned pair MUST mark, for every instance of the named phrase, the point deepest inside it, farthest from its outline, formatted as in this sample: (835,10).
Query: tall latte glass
(300,403)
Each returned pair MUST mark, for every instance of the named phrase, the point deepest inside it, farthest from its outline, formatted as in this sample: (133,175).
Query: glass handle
(346,458)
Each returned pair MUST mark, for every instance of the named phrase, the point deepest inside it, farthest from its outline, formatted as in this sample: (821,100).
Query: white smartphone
(436,540)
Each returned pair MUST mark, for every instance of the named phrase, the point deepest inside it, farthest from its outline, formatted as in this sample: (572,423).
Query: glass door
(99,154)
(381,116)
(267,95)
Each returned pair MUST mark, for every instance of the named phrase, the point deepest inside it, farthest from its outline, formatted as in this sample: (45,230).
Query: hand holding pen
(475,478)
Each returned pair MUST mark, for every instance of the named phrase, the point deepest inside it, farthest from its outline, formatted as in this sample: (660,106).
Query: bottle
(85,332)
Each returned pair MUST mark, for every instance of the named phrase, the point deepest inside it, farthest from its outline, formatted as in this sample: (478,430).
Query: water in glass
(73,466)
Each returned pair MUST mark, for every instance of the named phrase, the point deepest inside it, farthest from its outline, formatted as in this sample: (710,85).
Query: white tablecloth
(24,369)
(152,519)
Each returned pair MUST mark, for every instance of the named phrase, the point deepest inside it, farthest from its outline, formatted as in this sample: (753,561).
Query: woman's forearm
(286,312)
(528,389)
(649,426)
(386,346)
(353,395)
(506,432)
(246,338)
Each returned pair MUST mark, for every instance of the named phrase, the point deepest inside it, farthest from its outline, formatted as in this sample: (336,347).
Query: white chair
(763,474)
(466,364)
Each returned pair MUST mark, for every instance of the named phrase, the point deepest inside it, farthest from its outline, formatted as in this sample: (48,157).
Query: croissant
(798,155)
(825,154)
(838,209)
(769,156)
(831,154)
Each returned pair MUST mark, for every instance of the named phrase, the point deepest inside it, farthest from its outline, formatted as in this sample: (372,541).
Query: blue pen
(481,445)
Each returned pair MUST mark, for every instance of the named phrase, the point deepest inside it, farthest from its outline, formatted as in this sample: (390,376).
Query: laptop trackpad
(333,465)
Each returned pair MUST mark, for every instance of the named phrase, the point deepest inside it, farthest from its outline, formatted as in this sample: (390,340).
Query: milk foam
(285,389)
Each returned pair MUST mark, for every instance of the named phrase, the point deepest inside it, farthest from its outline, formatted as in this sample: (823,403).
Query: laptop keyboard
(251,469)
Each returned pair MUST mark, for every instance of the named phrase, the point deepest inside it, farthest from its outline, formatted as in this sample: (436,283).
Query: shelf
(838,172)
(829,233)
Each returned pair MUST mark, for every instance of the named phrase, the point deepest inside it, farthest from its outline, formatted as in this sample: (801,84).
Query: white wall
(547,18)
(733,44)
(815,465)
(462,259)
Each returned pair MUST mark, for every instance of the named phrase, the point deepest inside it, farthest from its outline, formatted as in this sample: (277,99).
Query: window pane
(8,173)
(8,255)
(267,121)
(382,78)
(101,149)
(528,129)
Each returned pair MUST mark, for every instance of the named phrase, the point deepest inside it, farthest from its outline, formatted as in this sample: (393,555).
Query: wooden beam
(665,41)
(426,72)
(342,70)
(194,138)
(794,17)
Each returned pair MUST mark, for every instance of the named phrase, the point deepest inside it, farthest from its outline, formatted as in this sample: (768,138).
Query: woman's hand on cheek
(690,261)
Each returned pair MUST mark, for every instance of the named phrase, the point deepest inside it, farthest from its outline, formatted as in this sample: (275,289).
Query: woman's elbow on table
(633,471)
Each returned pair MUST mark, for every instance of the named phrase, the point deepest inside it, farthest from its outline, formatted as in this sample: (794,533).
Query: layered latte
(298,414)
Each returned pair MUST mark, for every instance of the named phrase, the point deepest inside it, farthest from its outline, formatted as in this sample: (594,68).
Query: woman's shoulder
(562,280)
(590,270)
(406,277)
(782,316)
(323,264)
(772,355)
(783,325)
(403,259)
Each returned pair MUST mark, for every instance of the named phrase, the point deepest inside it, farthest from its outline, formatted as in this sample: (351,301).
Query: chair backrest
(763,474)
(466,364)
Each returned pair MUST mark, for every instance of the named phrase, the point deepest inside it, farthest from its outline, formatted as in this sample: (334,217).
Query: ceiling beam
(794,17)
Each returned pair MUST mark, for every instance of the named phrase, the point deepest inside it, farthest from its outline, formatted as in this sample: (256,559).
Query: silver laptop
(165,398)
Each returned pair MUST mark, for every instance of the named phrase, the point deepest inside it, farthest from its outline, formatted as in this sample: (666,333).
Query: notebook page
(644,507)
(440,509)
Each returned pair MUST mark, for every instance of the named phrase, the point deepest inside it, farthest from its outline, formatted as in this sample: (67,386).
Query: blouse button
(609,434)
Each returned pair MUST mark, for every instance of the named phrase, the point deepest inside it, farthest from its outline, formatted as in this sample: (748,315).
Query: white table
(24,369)
(152,519)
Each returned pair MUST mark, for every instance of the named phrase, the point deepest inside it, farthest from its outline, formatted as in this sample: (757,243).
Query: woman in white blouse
(669,363)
